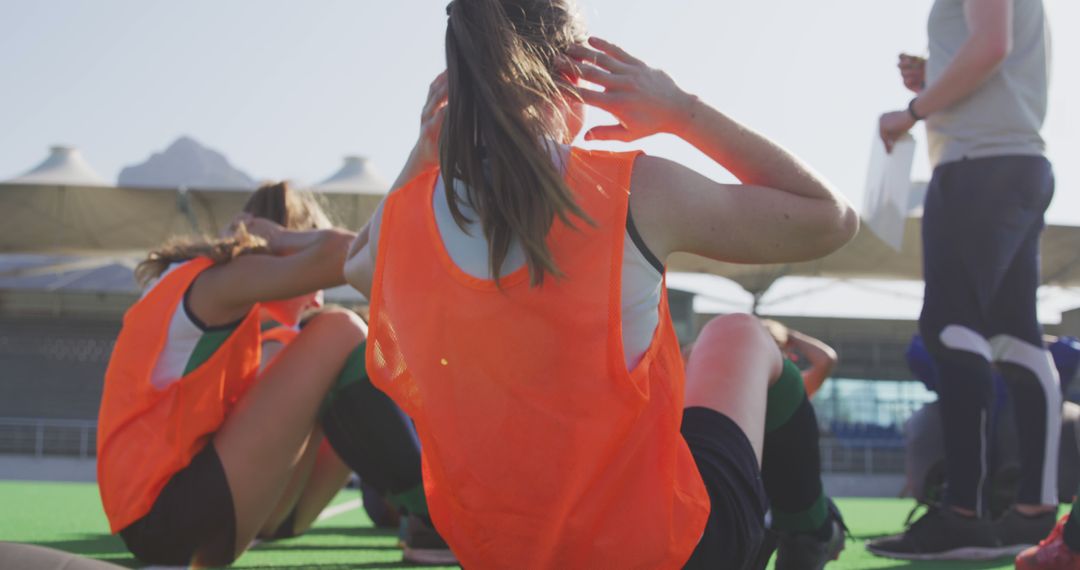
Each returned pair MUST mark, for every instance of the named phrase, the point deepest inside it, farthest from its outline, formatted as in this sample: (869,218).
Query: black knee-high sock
(791,462)
(373,436)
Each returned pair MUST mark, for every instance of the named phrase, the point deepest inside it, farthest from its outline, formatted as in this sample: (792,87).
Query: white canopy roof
(87,219)
(66,166)
(867,257)
(69,230)
(59,219)
(111,274)
(356,176)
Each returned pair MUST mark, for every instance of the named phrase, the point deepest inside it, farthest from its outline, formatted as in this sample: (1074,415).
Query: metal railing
(862,456)
(48,438)
(78,438)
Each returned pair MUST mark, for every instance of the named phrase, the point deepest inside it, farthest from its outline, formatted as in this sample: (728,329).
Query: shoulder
(602,167)
(416,184)
(415,188)
(609,156)
(656,181)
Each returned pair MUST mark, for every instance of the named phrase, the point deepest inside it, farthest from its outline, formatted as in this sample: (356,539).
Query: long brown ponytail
(503,112)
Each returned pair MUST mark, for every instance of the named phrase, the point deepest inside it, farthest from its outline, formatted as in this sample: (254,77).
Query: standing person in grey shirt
(983,95)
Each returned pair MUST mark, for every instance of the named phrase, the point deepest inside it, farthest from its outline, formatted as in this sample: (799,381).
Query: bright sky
(286,88)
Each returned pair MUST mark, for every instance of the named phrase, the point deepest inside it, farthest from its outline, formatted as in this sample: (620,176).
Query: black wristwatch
(911,110)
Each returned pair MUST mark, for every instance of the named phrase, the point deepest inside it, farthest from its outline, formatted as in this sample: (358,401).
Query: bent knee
(341,323)
(742,336)
(741,325)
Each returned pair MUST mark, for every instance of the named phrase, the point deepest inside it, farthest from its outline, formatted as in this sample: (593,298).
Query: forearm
(414,165)
(989,42)
(751,157)
(288,242)
(359,241)
(821,356)
(324,254)
(976,62)
(334,246)
(818,353)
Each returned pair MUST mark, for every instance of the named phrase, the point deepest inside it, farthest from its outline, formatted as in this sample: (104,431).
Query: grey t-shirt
(1004,116)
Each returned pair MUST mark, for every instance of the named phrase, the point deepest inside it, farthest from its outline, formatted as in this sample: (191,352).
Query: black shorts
(726,461)
(193,515)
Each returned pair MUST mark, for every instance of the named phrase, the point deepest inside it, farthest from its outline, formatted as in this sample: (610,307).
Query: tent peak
(64,166)
(357,175)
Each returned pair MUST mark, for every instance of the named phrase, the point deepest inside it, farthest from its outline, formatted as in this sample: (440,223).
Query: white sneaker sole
(966,553)
(428,556)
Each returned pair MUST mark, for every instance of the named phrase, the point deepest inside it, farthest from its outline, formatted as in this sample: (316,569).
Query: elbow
(351,271)
(828,228)
(831,359)
(357,271)
(849,224)
(994,50)
(998,52)
(842,228)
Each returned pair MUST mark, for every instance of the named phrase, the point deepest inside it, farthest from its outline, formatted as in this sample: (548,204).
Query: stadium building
(70,241)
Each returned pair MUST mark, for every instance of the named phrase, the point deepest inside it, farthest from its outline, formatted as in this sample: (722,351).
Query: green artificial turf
(67,516)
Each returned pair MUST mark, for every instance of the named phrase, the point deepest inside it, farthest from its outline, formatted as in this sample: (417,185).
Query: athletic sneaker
(1019,531)
(941,534)
(805,551)
(1051,554)
(423,545)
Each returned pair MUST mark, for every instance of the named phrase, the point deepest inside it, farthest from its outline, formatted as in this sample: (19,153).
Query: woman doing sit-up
(196,445)
(519,316)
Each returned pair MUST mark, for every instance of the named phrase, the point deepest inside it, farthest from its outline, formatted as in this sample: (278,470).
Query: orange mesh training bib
(540,450)
(146,435)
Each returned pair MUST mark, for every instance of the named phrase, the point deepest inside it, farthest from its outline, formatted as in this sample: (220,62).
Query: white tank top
(189,343)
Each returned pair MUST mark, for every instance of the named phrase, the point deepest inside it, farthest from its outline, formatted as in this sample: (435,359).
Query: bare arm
(988,44)
(361,240)
(303,262)
(822,359)
(912,72)
(360,266)
(360,260)
(782,212)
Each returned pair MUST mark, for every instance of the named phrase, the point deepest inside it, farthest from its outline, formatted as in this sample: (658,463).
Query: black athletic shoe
(941,534)
(806,551)
(423,545)
(1020,531)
